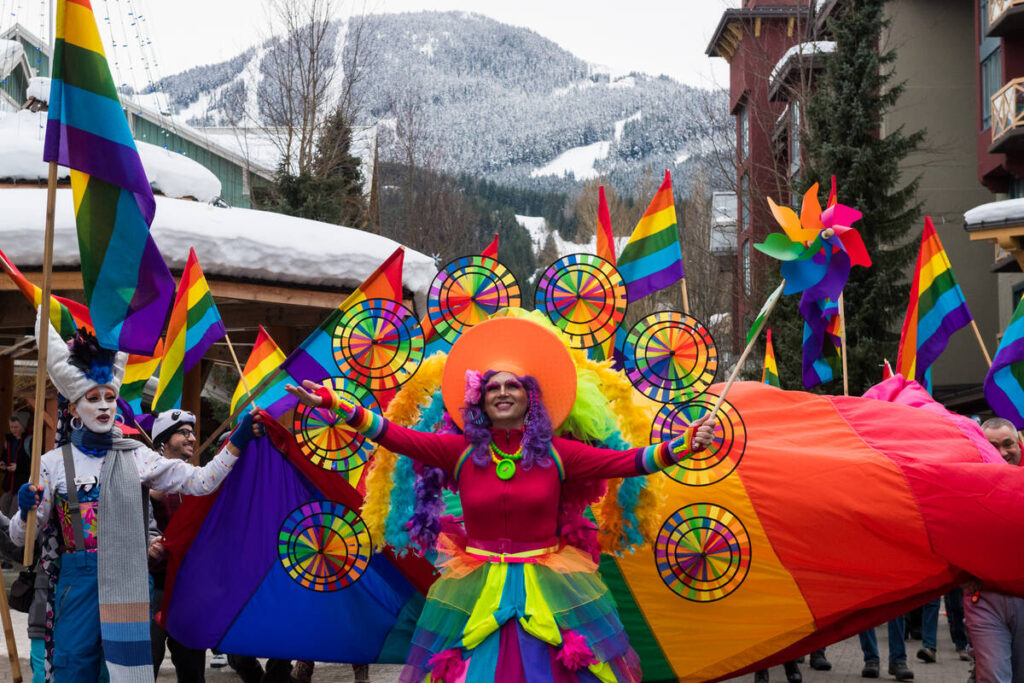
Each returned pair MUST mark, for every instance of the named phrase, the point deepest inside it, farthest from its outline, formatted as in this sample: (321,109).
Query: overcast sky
(653,36)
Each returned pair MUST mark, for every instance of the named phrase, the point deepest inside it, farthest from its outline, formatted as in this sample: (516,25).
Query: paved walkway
(845,657)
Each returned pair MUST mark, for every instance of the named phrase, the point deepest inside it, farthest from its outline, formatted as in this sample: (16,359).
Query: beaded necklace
(505,463)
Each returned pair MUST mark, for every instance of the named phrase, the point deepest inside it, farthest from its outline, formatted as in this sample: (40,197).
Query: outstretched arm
(583,461)
(436,450)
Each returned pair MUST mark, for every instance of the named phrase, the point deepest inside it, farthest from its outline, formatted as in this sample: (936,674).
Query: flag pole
(12,645)
(238,367)
(43,342)
(981,342)
(686,299)
(842,336)
(743,356)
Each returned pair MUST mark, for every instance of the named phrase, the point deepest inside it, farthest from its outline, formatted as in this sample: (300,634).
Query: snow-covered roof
(21,158)
(11,53)
(801,50)
(998,213)
(232,242)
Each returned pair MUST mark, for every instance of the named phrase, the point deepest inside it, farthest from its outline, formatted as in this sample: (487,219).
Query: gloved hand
(28,500)
(332,401)
(246,429)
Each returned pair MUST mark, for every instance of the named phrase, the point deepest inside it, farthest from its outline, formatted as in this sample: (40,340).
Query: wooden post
(686,298)
(6,391)
(981,342)
(191,397)
(12,645)
(842,336)
(238,367)
(43,342)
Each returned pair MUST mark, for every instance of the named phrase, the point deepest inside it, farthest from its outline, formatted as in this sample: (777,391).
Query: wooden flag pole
(981,342)
(12,645)
(743,357)
(686,298)
(238,367)
(43,342)
(842,336)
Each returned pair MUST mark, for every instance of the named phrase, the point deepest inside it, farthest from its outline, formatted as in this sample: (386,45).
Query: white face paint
(97,409)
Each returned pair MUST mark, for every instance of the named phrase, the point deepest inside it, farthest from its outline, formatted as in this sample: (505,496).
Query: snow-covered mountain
(491,100)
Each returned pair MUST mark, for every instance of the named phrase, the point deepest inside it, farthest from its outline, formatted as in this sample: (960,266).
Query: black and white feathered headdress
(77,367)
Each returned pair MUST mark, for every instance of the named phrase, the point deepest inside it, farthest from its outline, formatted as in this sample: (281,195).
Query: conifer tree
(844,137)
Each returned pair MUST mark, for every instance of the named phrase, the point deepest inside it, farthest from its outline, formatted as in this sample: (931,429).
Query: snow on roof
(175,175)
(11,52)
(1008,210)
(260,245)
(39,88)
(803,50)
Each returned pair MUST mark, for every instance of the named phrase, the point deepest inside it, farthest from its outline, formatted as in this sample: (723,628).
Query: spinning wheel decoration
(324,437)
(670,357)
(324,546)
(718,460)
(702,552)
(467,291)
(379,343)
(584,296)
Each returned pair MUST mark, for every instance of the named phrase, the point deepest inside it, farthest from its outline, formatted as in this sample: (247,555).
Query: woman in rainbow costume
(518,598)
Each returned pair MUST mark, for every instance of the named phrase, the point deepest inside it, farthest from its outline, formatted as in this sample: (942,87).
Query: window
(794,138)
(745,201)
(746,267)
(744,132)
(991,82)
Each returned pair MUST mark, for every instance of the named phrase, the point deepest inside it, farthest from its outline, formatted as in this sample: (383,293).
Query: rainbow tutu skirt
(514,619)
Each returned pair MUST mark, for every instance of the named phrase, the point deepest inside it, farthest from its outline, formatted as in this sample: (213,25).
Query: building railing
(1008,108)
(997,8)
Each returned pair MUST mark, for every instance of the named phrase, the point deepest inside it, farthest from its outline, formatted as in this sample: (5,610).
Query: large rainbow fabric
(782,553)
(278,563)
(314,358)
(266,356)
(65,315)
(137,372)
(652,259)
(936,310)
(1004,383)
(195,325)
(770,372)
(127,284)
(822,342)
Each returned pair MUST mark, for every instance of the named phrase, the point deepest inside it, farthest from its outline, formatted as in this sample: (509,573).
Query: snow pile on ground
(258,245)
(995,212)
(21,158)
(39,88)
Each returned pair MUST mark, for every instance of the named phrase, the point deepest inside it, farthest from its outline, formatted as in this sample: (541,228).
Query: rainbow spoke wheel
(379,343)
(702,552)
(323,436)
(467,291)
(324,546)
(584,296)
(717,461)
(670,357)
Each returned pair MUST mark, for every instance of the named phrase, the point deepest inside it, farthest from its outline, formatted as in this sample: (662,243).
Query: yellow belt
(491,556)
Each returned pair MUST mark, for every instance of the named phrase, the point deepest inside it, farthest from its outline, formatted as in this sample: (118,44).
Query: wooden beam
(790,24)
(757,27)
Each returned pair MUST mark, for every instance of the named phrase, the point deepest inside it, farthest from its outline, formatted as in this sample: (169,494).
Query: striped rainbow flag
(1004,383)
(266,356)
(137,372)
(652,259)
(65,315)
(127,284)
(195,325)
(605,236)
(936,310)
(770,373)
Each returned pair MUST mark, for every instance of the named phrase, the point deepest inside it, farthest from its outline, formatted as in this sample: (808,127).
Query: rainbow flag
(65,315)
(137,372)
(195,325)
(127,284)
(770,373)
(605,237)
(936,310)
(1004,383)
(652,259)
(822,342)
(266,356)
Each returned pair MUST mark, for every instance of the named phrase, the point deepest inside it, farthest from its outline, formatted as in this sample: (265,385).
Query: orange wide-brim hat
(515,345)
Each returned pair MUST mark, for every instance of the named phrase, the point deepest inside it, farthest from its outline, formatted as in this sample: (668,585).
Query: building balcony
(1005,17)
(1008,118)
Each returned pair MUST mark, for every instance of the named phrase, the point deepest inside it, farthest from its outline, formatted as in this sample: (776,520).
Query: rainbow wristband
(665,454)
(366,422)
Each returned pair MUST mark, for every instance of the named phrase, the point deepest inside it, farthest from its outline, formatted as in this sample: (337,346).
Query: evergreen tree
(843,137)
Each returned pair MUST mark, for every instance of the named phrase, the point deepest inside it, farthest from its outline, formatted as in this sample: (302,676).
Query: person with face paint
(101,604)
(517,599)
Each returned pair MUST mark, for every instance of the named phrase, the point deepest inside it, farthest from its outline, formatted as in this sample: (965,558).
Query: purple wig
(536,426)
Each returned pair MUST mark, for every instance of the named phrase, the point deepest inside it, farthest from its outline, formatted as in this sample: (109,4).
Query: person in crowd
(897,652)
(16,461)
